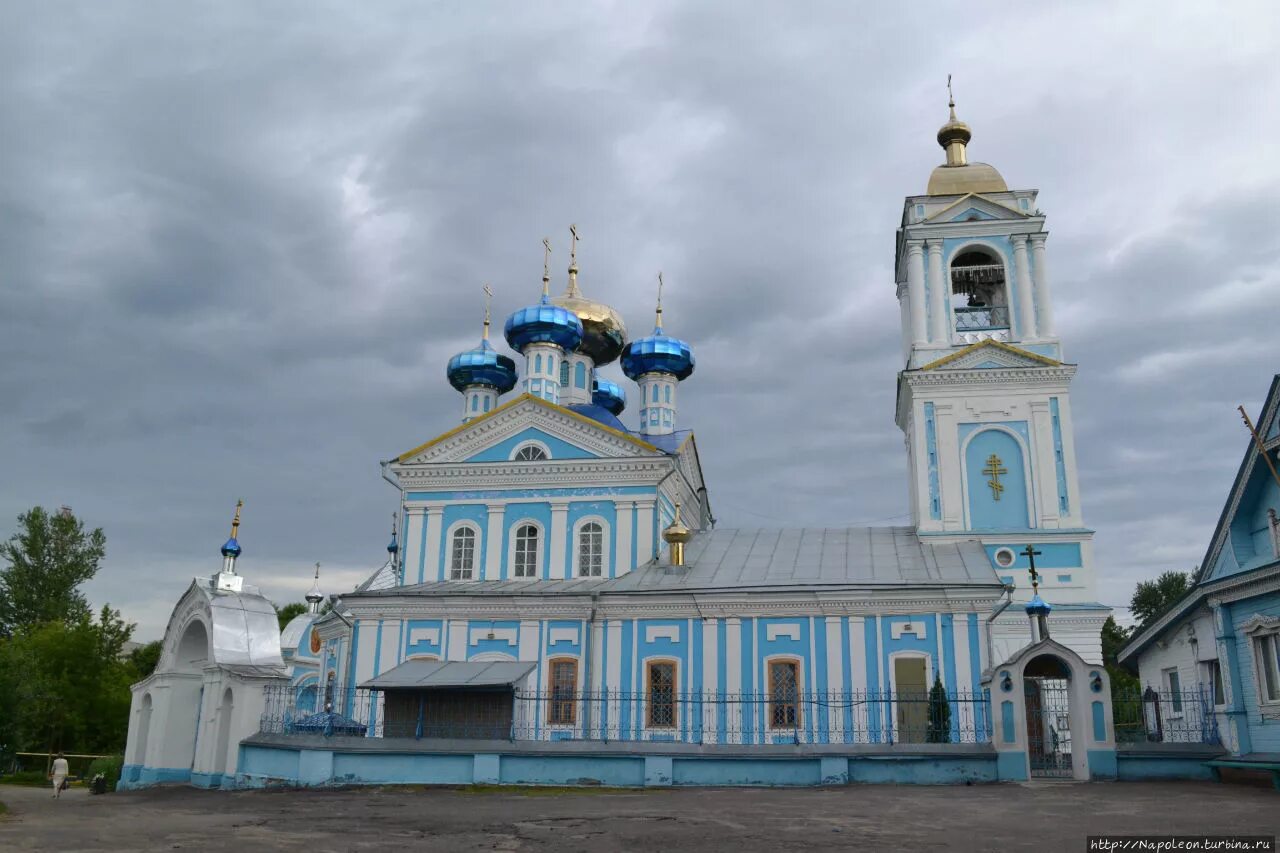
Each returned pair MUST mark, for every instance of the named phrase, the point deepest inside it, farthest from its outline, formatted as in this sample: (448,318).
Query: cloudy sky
(239,241)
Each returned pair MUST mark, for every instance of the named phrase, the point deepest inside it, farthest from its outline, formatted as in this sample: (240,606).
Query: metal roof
(426,674)
(724,560)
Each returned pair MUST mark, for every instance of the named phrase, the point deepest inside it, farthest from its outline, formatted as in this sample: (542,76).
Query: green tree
(939,713)
(64,685)
(48,558)
(289,611)
(144,659)
(1113,639)
(1151,599)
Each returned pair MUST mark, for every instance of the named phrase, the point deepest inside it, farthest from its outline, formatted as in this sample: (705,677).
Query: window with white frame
(462,555)
(1213,677)
(530,453)
(1266,655)
(590,550)
(525,559)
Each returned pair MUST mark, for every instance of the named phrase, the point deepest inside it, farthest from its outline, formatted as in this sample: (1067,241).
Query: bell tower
(983,398)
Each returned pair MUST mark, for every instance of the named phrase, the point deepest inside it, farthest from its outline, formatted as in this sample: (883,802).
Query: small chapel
(556,568)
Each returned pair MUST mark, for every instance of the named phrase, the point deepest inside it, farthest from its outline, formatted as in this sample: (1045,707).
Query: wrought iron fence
(830,717)
(981,318)
(1165,716)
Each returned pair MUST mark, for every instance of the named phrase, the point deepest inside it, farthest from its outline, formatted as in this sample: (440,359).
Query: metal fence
(831,717)
(1165,716)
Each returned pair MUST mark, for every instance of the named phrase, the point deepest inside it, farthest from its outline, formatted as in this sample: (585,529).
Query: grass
(30,778)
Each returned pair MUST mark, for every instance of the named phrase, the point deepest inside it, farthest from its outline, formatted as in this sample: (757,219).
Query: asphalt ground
(1048,816)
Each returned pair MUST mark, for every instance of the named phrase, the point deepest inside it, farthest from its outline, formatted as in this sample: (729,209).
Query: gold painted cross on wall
(993,470)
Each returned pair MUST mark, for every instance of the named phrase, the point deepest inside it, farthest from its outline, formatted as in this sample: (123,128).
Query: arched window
(564,373)
(654,395)
(462,556)
(590,550)
(530,453)
(580,375)
(475,401)
(563,682)
(525,559)
(666,393)
(978,296)
(537,363)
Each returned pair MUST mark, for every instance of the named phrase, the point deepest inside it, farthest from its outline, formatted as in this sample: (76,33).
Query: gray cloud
(238,244)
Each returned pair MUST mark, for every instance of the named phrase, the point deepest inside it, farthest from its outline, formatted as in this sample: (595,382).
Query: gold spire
(488,297)
(573,262)
(546,266)
(235,522)
(657,323)
(676,535)
(955,134)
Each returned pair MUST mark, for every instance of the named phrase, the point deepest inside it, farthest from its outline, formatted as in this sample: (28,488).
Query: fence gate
(1048,727)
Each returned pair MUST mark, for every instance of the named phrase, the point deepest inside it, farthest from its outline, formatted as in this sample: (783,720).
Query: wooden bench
(1246,763)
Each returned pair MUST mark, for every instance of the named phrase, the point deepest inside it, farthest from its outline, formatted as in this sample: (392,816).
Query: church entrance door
(911,687)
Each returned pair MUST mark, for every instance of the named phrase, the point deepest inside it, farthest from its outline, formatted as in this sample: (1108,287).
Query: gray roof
(770,559)
(426,674)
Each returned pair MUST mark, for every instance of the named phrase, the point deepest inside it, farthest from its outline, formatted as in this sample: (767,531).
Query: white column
(644,531)
(939,294)
(915,291)
(493,555)
(622,536)
(1026,301)
(431,565)
(1043,303)
(560,563)
(947,437)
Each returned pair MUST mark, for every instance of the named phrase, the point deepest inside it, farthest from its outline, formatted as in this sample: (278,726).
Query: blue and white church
(565,538)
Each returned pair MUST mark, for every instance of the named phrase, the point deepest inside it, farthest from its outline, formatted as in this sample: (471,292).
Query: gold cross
(993,470)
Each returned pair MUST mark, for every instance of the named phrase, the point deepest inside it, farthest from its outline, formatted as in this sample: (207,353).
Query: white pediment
(976,207)
(990,355)
(578,436)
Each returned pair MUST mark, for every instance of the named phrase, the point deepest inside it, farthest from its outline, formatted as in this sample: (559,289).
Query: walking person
(59,774)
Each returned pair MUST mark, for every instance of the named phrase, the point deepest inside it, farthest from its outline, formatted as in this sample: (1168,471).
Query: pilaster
(1044,477)
(644,531)
(622,536)
(431,561)
(493,552)
(560,567)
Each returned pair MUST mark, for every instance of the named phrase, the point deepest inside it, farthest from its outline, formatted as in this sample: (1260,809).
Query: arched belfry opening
(1046,690)
(979,295)
(192,653)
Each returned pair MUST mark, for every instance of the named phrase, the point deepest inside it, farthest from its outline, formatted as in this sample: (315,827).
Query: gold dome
(603,333)
(969,178)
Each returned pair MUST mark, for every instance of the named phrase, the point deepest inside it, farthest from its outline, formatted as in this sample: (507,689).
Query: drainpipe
(586,669)
(991,652)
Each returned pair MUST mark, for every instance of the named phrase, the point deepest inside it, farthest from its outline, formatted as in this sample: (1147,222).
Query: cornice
(974,228)
(490,476)
(1028,375)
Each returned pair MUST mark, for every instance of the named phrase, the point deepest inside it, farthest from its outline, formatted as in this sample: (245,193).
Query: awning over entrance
(429,674)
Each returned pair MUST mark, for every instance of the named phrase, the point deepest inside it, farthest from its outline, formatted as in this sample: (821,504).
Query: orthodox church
(574,543)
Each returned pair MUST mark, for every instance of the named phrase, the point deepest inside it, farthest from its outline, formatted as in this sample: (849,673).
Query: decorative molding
(918,628)
(1259,624)
(773,632)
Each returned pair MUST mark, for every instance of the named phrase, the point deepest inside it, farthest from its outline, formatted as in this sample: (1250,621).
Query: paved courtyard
(989,817)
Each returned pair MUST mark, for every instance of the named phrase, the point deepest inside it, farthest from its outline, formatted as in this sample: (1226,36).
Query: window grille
(783,710)
(530,453)
(590,550)
(662,695)
(463,556)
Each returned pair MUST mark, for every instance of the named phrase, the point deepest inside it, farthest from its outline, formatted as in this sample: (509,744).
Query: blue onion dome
(231,548)
(394,545)
(658,353)
(543,323)
(482,366)
(609,396)
(1038,605)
